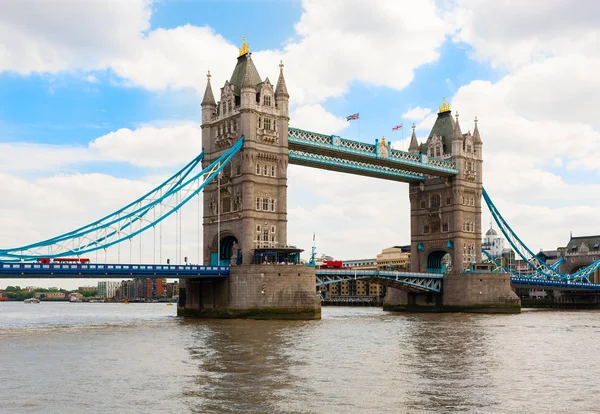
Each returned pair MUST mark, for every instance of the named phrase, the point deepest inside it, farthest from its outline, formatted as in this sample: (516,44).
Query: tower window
(436,201)
(258,228)
(273,208)
(272,171)
(259,122)
(266,235)
(267,124)
(265,204)
(265,170)
(258,203)
(258,169)
(267,101)
(272,229)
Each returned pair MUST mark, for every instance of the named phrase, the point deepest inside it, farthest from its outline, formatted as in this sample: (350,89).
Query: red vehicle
(331,264)
(82,260)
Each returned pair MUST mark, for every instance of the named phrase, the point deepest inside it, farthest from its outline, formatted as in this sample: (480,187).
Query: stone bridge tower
(446,213)
(252,193)
(245,211)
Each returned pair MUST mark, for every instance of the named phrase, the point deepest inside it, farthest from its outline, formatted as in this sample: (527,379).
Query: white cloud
(27,157)
(534,30)
(416,114)
(42,36)
(334,40)
(316,118)
(151,146)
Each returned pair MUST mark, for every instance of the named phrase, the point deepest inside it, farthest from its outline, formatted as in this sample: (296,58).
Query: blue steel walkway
(421,282)
(120,271)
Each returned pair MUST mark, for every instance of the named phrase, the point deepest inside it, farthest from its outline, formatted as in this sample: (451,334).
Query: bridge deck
(121,271)
(338,154)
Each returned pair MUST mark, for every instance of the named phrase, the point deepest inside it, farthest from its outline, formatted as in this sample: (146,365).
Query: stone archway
(221,252)
(227,244)
(438,261)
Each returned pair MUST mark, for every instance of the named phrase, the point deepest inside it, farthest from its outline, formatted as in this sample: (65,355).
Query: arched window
(436,201)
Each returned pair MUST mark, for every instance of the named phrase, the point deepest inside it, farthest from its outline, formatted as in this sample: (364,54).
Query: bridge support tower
(446,228)
(245,210)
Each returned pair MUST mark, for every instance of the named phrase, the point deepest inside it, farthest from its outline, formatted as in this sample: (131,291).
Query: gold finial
(444,107)
(245,49)
(383,141)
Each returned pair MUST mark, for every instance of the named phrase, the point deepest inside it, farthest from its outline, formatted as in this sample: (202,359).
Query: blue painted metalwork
(534,262)
(340,148)
(535,275)
(312,159)
(131,220)
(95,270)
(424,282)
(554,284)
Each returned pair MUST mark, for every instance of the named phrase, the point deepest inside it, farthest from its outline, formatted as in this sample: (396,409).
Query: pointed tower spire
(209,98)
(248,81)
(281,89)
(457,133)
(414,144)
(476,137)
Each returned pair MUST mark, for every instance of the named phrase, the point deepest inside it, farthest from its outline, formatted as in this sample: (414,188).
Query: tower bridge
(247,147)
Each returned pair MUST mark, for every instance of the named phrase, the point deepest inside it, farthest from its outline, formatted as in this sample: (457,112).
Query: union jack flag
(351,117)
(397,127)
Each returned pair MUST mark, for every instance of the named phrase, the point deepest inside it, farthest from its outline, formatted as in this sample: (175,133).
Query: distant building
(107,289)
(86,288)
(391,258)
(394,258)
(492,243)
(50,295)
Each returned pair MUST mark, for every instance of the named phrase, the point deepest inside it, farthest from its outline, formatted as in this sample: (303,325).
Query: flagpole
(359,127)
(402,137)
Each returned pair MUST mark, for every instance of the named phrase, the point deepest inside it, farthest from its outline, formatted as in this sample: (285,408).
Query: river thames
(141,358)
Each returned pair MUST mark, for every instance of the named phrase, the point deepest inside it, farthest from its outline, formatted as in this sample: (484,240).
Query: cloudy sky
(100,100)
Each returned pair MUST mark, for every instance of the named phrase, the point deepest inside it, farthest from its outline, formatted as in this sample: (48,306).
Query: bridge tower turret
(446,212)
(252,192)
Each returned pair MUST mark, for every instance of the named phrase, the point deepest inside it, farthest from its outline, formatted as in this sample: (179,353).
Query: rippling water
(63,357)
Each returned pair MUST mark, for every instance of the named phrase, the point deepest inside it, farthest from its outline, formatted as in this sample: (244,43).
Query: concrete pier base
(253,292)
(484,292)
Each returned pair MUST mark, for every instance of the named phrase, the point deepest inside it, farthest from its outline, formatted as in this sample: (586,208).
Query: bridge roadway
(420,282)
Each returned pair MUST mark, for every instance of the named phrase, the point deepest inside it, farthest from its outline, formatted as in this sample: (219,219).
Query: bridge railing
(334,142)
(105,268)
(384,273)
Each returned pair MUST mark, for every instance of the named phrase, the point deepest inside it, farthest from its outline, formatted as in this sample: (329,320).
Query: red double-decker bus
(331,264)
(46,260)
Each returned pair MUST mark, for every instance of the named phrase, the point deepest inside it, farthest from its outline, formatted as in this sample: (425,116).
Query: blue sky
(133,89)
